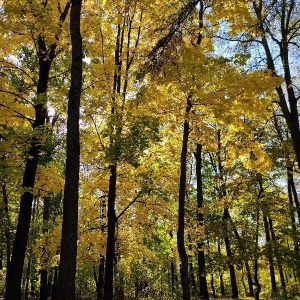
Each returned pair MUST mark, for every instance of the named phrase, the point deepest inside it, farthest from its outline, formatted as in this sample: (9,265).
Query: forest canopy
(149,149)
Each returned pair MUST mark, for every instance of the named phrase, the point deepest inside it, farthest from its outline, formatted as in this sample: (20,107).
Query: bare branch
(132,202)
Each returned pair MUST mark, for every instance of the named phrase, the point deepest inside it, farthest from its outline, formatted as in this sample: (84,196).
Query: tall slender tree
(203,290)
(184,268)
(46,55)
(67,267)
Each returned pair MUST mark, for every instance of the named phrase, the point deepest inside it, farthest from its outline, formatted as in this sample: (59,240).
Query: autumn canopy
(149,149)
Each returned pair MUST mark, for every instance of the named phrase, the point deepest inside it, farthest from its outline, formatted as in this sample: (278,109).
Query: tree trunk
(212,284)
(184,268)
(293,199)
(67,267)
(111,228)
(249,278)
(14,272)
(203,290)
(269,255)
(291,183)
(222,287)
(54,284)
(234,289)
(99,279)
(256,280)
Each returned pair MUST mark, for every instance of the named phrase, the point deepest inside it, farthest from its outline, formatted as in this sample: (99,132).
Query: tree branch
(132,202)
(158,49)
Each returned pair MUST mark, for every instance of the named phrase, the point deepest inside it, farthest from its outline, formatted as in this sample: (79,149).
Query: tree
(45,55)
(67,268)
(274,28)
(203,290)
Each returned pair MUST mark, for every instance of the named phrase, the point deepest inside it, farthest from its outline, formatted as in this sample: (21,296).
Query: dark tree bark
(222,287)
(293,219)
(234,289)
(203,290)
(99,278)
(256,280)
(212,284)
(67,267)
(111,229)
(54,284)
(249,278)
(270,255)
(184,268)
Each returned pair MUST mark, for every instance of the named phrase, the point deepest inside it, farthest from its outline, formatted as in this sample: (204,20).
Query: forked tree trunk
(67,267)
